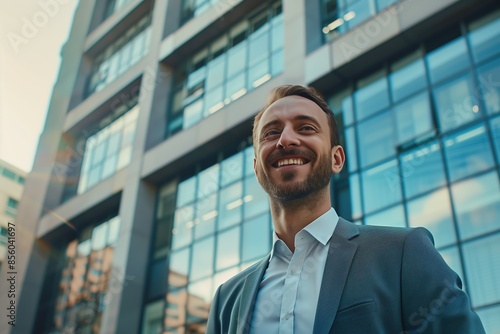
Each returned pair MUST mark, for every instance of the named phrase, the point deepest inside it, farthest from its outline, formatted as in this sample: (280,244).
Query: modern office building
(11,189)
(143,199)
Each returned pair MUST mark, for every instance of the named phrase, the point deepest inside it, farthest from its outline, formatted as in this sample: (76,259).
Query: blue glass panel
(482,262)
(456,103)
(495,133)
(206,212)
(249,155)
(448,60)
(350,143)
(208,181)
(178,267)
(433,211)
(381,186)
(230,205)
(256,238)
(382,4)
(376,139)
(477,204)
(361,9)
(228,248)
(202,258)
(371,98)
(407,80)
(422,169)
(413,117)
(394,216)
(452,259)
(490,319)
(186,191)
(468,152)
(183,224)
(489,85)
(485,41)
(355,192)
(231,169)
(255,199)
(237,59)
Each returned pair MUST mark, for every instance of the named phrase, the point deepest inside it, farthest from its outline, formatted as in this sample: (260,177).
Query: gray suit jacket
(376,280)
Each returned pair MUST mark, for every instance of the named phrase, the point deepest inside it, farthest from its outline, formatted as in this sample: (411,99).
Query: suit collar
(337,266)
(249,294)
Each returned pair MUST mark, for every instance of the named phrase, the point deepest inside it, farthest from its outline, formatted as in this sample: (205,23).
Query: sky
(32,33)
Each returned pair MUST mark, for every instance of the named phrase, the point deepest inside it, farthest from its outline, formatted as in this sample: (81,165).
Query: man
(324,274)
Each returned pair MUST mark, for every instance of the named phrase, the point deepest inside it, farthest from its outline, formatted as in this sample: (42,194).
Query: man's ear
(338,159)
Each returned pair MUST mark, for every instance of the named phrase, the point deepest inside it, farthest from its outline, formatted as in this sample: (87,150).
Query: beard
(304,190)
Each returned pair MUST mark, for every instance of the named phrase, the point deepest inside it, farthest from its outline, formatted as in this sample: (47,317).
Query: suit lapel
(337,266)
(248,295)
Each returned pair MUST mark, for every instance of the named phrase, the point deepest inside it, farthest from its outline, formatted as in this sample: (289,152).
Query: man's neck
(291,217)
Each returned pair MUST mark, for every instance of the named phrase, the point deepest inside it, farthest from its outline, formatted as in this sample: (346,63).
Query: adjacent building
(143,199)
(11,190)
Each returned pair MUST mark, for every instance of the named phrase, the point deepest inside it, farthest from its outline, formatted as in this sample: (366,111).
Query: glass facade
(113,6)
(339,16)
(120,55)
(237,62)
(422,144)
(220,224)
(109,149)
(87,280)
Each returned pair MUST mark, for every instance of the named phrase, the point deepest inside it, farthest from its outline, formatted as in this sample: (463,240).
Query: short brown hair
(306,92)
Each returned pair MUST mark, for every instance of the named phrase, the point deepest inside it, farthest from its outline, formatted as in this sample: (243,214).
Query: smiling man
(325,274)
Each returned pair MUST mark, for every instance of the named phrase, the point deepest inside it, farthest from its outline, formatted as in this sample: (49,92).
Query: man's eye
(307,128)
(271,133)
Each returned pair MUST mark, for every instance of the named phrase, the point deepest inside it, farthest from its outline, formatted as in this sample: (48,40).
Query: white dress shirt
(288,294)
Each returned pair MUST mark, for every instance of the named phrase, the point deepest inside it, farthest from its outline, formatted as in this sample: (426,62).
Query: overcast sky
(32,33)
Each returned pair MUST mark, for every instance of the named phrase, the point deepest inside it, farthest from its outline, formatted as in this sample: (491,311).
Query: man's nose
(288,138)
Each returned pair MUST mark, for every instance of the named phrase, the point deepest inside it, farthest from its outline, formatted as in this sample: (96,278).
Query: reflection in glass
(456,103)
(489,85)
(452,258)
(490,319)
(394,216)
(256,238)
(230,205)
(477,204)
(422,169)
(448,60)
(178,268)
(482,261)
(208,181)
(371,98)
(484,40)
(206,214)
(495,132)
(407,80)
(433,211)
(186,191)
(255,199)
(413,117)
(376,139)
(231,169)
(354,190)
(350,143)
(228,248)
(202,258)
(381,186)
(468,152)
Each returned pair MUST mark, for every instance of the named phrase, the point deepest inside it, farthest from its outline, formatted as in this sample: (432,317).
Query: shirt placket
(290,288)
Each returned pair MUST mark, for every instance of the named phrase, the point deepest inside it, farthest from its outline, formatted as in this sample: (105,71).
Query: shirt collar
(321,229)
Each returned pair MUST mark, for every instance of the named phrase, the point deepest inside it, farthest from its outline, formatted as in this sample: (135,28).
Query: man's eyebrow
(296,118)
(269,124)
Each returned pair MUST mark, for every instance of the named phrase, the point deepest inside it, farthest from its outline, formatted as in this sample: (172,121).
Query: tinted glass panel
(376,139)
(489,85)
(407,80)
(484,41)
(413,117)
(371,98)
(448,60)
(391,217)
(477,204)
(383,179)
(468,152)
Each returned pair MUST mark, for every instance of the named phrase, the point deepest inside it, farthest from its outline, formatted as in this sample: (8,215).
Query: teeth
(287,162)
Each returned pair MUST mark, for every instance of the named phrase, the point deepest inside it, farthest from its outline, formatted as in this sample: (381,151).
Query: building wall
(150,126)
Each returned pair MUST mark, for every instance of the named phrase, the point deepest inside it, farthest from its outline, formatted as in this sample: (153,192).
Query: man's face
(293,153)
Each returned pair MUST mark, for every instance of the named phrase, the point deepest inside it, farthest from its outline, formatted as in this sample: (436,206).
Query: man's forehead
(293,106)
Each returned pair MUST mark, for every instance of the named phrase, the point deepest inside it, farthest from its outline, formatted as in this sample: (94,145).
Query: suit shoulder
(239,279)
(394,234)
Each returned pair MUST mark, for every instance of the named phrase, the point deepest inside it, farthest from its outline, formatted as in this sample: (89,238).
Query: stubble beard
(304,191)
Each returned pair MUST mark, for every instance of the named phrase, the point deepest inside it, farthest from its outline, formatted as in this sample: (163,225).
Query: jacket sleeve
(213,325)
(432,297)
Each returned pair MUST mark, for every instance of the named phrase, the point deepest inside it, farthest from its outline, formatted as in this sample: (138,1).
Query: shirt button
(287,316)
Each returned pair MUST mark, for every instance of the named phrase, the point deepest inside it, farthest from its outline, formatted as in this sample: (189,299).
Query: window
(483,269)
(484,39)
(376,139)
(371,96)
(413,118)
(407,79)
(448,60)
(437,218)
(422,169)
(108,150)
(8,174)
(113,6)
(86,276)
(120,56)
(468,152)
(488,79)
(381,186)
(456,103)
(390,217)
(477,204)
(11,208)
(248,55)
